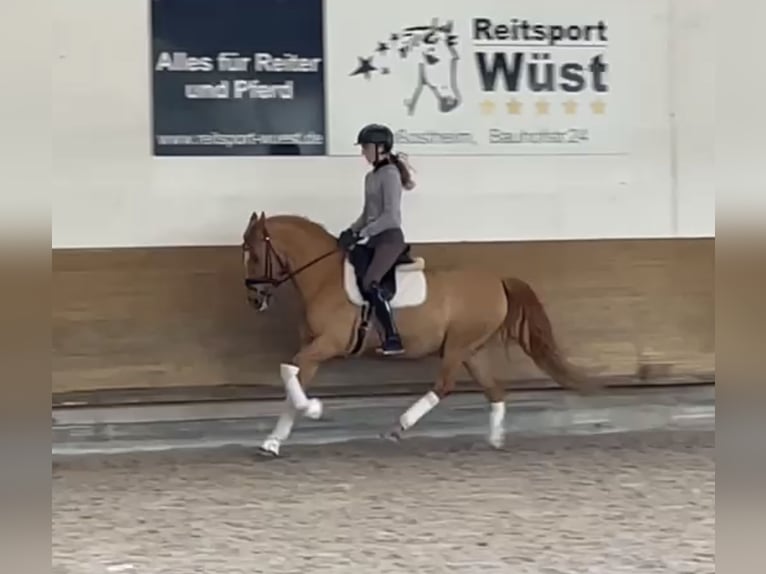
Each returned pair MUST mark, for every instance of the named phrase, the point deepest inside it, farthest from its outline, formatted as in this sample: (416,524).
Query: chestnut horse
(462,313)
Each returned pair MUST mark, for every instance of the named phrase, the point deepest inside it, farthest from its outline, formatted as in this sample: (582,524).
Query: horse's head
(435,48)
(430,51)
(284,248)
(264,267)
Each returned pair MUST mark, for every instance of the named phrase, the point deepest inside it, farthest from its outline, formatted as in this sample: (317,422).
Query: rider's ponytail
(405,169)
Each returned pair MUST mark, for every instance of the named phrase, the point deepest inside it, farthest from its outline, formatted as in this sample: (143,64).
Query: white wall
(692,88)
(110,191)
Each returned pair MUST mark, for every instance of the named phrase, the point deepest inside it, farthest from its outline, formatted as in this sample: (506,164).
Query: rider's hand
(348,239)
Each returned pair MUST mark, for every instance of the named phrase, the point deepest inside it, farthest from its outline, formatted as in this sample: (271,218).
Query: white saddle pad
(411,287)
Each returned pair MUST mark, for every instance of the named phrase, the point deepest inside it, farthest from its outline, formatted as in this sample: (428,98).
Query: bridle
(284,271)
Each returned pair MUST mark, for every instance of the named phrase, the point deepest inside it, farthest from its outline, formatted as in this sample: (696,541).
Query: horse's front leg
(295,387)
(281,431)
(297,377)
(304,333)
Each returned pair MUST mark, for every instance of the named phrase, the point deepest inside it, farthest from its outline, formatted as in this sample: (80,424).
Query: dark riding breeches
(388,246)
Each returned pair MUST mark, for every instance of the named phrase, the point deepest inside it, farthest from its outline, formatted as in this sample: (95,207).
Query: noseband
(285,273)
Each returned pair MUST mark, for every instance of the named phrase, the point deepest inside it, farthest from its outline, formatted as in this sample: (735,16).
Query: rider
(380,221)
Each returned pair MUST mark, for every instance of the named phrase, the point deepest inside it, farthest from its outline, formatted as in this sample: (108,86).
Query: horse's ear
(253,216)
(259,221)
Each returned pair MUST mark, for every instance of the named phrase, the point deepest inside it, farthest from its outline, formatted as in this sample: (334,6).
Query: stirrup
(390,352)
(385,350)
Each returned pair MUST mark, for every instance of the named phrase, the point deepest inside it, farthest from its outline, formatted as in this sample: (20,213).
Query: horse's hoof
(265,453)
(269,449)
(314,409)
(496,442)
(393,436)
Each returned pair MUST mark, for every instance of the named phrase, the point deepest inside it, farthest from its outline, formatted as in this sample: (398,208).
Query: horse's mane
(304,223)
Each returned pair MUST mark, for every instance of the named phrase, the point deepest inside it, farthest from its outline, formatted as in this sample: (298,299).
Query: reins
(287,273)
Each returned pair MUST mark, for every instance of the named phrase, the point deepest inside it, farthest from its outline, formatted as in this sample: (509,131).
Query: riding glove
(347,239)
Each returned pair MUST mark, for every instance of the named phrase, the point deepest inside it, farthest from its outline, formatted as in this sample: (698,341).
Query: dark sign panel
(238,77)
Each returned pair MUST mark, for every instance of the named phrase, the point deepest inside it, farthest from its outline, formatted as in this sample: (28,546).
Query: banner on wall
(238,77)
(486,77)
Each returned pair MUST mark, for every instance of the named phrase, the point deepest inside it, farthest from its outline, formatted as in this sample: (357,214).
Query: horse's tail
(527,323)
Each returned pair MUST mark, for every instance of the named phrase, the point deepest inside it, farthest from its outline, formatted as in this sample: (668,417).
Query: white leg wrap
(293,388)
(284,425)
(497,424)
(418,409)
(282,429)
(312,408)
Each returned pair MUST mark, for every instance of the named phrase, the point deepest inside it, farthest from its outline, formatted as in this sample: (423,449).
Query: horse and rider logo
(427,52)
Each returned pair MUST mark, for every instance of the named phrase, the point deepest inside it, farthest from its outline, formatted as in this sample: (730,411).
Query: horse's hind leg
(444,386)
(480,368)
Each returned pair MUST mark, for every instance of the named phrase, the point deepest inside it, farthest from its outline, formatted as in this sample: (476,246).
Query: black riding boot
(392,343)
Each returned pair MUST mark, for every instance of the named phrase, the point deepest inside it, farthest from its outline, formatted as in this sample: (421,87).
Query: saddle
(361,258)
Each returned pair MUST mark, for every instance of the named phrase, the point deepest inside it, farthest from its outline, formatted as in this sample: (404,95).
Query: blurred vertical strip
(26,52)
(740,138)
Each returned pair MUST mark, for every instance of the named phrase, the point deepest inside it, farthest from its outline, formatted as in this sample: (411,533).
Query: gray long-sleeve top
(382,202)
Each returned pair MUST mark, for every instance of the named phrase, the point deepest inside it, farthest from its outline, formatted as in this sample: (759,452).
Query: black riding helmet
(376,134)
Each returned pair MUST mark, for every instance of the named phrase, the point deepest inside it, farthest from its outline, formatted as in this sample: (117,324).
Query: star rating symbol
(542,107)
(598,107)
(487,107)
(365,67)
(513,107)
(382,48)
